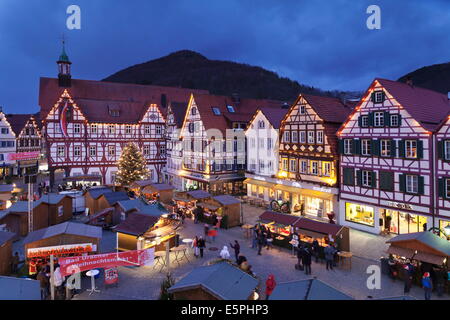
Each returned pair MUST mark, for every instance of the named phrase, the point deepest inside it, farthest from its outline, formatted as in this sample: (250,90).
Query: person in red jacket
(270,285)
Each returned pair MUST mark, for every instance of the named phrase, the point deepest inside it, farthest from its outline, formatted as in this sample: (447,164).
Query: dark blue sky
(321,43)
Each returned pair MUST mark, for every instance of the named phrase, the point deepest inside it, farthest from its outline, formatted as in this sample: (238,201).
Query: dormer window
(303,109)
(261,124)
(378,96)
(230,109)
(216,111)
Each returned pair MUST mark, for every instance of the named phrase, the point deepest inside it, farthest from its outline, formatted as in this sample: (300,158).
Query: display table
(92,274)
(188,242)
(247,230)
(180,253)
(345,259)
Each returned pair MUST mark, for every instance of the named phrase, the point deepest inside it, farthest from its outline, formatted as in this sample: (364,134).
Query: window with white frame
(364,121)
(293,165)
(412,183)
(61,151)
(447,149)
(314,167)
(146,150)
(93,128)
(158,129)
(302,137)
(147,129)
(326,170)
(261,143)
(112,129)
(285,164)
(270,165)
(128,129)
(310,136)
(261,165)
(348,146)
(269,143)
(261,124)
(287,136)
(302,109)
(304,166)
(92,151)
(378,119)
(447,188)
(295,136)
(76,128)
(366,178)
(319,137)
(394,120)
(385,148)
(411,149)
(162,150)
(378,96)
(365,147)
(111,150)
(77,151)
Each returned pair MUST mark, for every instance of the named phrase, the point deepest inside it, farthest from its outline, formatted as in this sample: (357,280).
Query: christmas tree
(132,166)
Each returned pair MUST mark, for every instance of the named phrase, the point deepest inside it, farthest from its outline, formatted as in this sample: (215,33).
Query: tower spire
(64,76)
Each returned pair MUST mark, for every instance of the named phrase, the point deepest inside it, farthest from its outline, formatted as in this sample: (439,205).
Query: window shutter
(357,146)
(375,147)
(387,119)
(401,148)
(360,121)
(372,97)
(341,146)
(374,179)
(393,148)
(359,178)
(349,176)
(371,119)
(419,149)
(440,147)
(441,188)
(421,185)
(399,120)
(386,180)
(402,183)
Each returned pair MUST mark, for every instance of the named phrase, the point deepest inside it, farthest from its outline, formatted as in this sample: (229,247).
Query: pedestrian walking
(201,246)
(268,238)
(300,253)
(270,285)
(329,256)
(195,246)
(306,258)
(427,285)
(237,249)
(206,230)
(408,277)
(224,253)
(15,263)
(255,236)
(43,280)
(261,241)
(316,249)
(57,282)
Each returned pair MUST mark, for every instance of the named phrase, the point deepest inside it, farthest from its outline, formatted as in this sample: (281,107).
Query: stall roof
(398,298)
(155,209)
(427,238)
(6,236)
(199,194)
(207,206)
(6,187)
(281,218)
(226,199)
(310,289)
(73,228)
(137,224)
(114,197)
(222,280)
(95,193)
(50,198)
(402,252)
(143,183)
(317,226)
(162,186)
(19,289)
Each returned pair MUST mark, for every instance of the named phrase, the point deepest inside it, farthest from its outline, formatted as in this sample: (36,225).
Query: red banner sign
(111,276)
(72,265)
(61,250)
(24,156)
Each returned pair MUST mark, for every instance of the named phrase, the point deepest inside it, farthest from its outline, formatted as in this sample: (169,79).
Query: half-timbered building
(387,158)
(7,147)
(442,175)
(309,158)
(214,142)
(262,135)
(87,123)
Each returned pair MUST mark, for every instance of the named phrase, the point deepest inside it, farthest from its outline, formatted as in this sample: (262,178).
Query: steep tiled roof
(179,111)
(95,98)
(329,109)
(274,115)
(18,121)
(426,106)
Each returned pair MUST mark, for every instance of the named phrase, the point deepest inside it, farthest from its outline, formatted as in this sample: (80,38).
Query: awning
(401,252)
(311,234)
(208,206)
(430,258)
(306,192)
(259,183)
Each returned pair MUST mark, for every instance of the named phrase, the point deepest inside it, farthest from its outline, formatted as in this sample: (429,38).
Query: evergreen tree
(132,166)
(165,285)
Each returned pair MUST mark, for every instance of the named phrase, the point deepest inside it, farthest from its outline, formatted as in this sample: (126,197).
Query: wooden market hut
(421,246)
(225,206)
(198,195)
(92,196)
(49,210)
(109,199)
(6,239)
(124,207)
(159,191)
(220,281)
(67,233)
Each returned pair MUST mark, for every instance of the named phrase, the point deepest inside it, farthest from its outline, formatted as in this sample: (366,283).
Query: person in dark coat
(261,241)
(427,285)
(408,277)
(201,246)
(329,256)
(316,249)
(300,253)
(306,259)
(237,249)
(206,229)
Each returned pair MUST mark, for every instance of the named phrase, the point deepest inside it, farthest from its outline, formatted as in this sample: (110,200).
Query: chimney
(409,81)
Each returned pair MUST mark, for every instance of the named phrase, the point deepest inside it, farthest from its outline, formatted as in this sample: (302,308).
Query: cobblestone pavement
(144,282)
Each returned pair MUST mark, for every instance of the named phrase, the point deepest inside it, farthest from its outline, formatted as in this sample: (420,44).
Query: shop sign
(24,156)
(61,250)
(107,260)
(111,276)
(399,205)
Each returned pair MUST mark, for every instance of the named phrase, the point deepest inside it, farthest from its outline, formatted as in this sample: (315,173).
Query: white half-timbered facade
(442,196)
(7,146)
(386,178)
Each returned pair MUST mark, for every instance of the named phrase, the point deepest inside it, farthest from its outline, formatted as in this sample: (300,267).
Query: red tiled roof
(244,110)
(95,97)
(275,115)
(426,106)
(137,224)
(18,121)
(328,108)
(179,111)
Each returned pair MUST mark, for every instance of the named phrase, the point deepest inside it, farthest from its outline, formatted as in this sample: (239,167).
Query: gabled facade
(387,158)
(309,159)
(442,196)
(262,136)
(7,146)
(214,142)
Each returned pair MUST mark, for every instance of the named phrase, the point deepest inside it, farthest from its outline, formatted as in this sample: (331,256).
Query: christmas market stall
(6,252)
(159,191)
(88,180)
(92,197)
(187,200)
(226,208)
(124,207)
(426,251)
(280,225)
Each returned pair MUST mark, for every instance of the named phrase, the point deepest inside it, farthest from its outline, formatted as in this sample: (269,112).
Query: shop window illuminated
(359,214)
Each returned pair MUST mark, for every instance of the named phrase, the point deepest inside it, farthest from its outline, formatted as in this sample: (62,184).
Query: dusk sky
(320,43)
